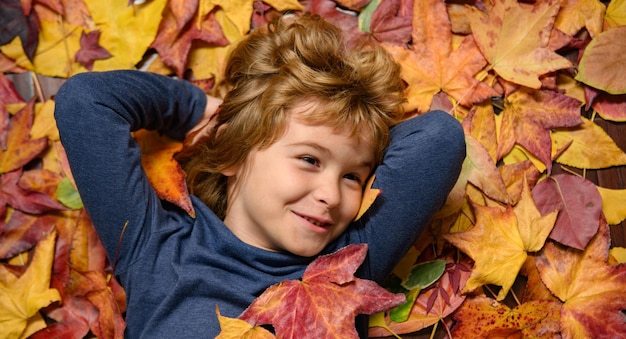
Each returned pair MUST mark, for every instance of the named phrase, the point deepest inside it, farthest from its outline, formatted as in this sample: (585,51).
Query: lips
(320,222)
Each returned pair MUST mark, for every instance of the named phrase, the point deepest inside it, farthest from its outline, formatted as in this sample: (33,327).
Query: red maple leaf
(12,193)
(325,302)
(90,51)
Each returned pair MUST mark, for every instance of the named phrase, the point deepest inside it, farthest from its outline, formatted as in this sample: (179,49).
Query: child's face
(300,193)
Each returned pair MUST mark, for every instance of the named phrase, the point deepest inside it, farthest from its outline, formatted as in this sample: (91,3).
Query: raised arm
(95,114)
(419,169)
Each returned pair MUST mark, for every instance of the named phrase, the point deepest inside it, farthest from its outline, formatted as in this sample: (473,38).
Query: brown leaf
(173,43)
(579,205)
(528,117)
(603,62)
(392,21)
(326,301)
(20,148)
(90,50)
(11,193)
(23,231)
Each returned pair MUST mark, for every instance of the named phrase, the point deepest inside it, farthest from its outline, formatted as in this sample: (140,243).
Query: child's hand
(205,126)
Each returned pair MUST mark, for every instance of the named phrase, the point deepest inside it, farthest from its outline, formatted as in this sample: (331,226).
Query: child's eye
(353,177)
(311,160)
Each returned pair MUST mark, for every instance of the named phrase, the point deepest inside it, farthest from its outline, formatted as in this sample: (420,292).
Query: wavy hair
(276,68)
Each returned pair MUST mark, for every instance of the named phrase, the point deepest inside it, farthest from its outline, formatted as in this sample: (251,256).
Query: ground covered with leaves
(529,81)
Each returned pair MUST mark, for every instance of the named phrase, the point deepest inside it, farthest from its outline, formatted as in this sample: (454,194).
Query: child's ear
(230,172)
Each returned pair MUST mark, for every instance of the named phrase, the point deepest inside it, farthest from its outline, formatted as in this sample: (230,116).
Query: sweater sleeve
(95,113)
(419,169)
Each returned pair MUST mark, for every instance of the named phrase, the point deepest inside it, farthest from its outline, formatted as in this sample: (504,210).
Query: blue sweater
(175,269)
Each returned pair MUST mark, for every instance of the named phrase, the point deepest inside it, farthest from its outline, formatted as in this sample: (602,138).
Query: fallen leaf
(514,37)
(576,14)
(615,15)
(327,299)
(604,61)
(90,50)
(592,292)
(579,205)
(431,306)
(510,233)
(431,65)
(22,231)
(16,23)
(164,173)
(591,147)
(528,117)
(482,317)
(20,148)
(613,204)
(369,196)
(233,328)
(11,193)
(22,297)
(391,22)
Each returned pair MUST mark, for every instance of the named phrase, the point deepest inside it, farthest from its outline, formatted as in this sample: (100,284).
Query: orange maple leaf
(163,171)
(432,66)
(20,148)
(325,302)
(592,292)
(482,317)
(510,233)
(514,37)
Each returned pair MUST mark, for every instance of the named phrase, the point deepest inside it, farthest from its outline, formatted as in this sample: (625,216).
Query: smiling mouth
(314,221)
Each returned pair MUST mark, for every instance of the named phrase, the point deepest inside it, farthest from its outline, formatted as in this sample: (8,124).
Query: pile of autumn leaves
(516,75)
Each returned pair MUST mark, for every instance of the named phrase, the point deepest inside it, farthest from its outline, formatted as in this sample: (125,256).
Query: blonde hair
(278,67)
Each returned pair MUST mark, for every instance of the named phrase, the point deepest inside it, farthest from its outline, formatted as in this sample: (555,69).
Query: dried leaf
(236,328)
(592,292)
(326,301)
(369,196)
(528,117)
(510,233)
(482,317)
(613,204)
(576,14)
(616,13)
(579,205)
(514,37)
(591,147)
(20,147)
(162,170)
(22,297)
(90,50)
(604,61)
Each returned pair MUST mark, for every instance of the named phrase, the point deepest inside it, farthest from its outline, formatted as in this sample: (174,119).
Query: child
(276,181)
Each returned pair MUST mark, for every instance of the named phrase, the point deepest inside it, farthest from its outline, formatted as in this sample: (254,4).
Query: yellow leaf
(369,195)
(232,328)
(616,13)
(44,124)
(514,39)
(576,14)
(603,64)
(510,233)
(613,204)
(126,31)
(58,43)
(591,147)
(22,297)
(618,254)
(240,11)
(519,154)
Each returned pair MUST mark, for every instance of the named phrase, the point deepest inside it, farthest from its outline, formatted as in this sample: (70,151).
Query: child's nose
(328,192)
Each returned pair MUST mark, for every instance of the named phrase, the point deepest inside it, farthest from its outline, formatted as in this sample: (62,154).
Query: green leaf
(68,195)
(365,17)
(424,274)
(401,313)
